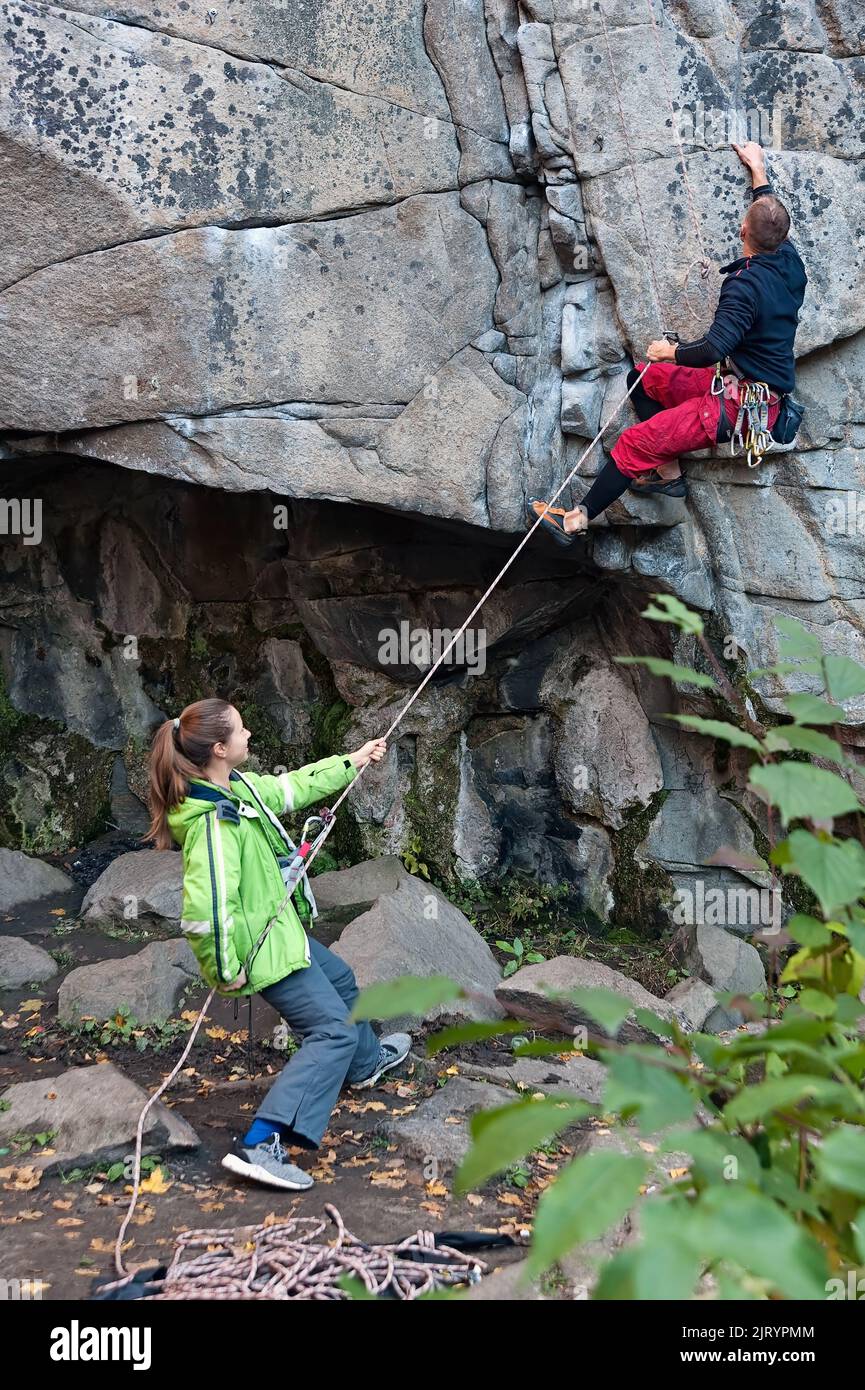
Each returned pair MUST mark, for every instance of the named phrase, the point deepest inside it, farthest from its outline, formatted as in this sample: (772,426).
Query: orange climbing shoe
(536,508)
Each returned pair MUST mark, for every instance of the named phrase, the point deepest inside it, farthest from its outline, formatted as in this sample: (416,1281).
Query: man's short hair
(768,223)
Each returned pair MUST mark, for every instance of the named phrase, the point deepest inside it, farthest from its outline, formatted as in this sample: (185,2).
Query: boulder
(695,999)
(24,879)
(524,995)
(151,983)
(95,1112)
(581,1076)
(438,1128)
(23,963)
(410,929)
(144,886)
(729,964)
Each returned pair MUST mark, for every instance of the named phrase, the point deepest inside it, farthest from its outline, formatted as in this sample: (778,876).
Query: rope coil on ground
(287,1260)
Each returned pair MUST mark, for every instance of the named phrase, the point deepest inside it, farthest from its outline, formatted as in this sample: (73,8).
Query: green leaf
(509,1132)
(808,931)
(844,678)
(784,1093)
(472,1032)
(657,1097)
(543,1048)
(711,1150)
(410,994)
(591,1194)
(834,870)
(802,740)
(815,1002)
(667,1265)
(785,668)
(802,792)
(732,1223)
(661,1027)
(668,609)
(810,709)
(840,1159)
(659,667)
(717,728)
(796,640)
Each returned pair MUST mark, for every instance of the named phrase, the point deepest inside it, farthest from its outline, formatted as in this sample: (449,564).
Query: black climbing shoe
(675,487)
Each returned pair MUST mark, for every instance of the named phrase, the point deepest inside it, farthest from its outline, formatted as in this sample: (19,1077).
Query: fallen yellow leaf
(156,1182)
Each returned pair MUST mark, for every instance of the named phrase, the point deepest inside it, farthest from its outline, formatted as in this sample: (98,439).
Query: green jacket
(232,880)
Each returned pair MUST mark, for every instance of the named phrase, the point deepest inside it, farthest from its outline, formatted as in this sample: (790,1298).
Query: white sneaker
(392,1050)
(267,1163)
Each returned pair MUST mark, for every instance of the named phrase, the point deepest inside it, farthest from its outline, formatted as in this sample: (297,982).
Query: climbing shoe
(392,1050)
(675,487)
(535,508)
(267,1163)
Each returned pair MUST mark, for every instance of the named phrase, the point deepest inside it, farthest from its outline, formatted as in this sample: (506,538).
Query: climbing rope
(285,1259)
(329,817)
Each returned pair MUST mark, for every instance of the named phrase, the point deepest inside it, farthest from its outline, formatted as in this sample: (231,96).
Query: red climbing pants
(688,421)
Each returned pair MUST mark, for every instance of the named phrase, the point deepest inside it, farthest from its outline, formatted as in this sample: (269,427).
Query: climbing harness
(750,435)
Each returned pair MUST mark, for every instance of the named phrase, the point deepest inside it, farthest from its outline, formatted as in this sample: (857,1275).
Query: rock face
(302,304)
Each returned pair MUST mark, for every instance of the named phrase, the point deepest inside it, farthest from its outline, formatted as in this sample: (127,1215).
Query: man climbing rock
(751,337)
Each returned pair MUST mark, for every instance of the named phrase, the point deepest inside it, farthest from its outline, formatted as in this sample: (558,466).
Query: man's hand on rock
(753,158)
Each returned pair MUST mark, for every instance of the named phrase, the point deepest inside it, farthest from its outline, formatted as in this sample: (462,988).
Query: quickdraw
(755,441)
(751,435)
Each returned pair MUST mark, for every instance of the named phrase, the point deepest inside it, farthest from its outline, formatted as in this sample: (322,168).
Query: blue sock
(261,1130)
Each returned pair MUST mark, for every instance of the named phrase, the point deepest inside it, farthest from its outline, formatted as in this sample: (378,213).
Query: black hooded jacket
(757,316)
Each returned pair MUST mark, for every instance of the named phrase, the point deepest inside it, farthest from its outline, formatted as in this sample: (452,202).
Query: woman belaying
(235,852)
(751,338)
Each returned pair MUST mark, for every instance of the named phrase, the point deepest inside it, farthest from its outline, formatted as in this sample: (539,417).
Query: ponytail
(181,749)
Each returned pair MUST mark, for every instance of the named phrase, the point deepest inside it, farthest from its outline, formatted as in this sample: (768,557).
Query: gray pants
(315,1003)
